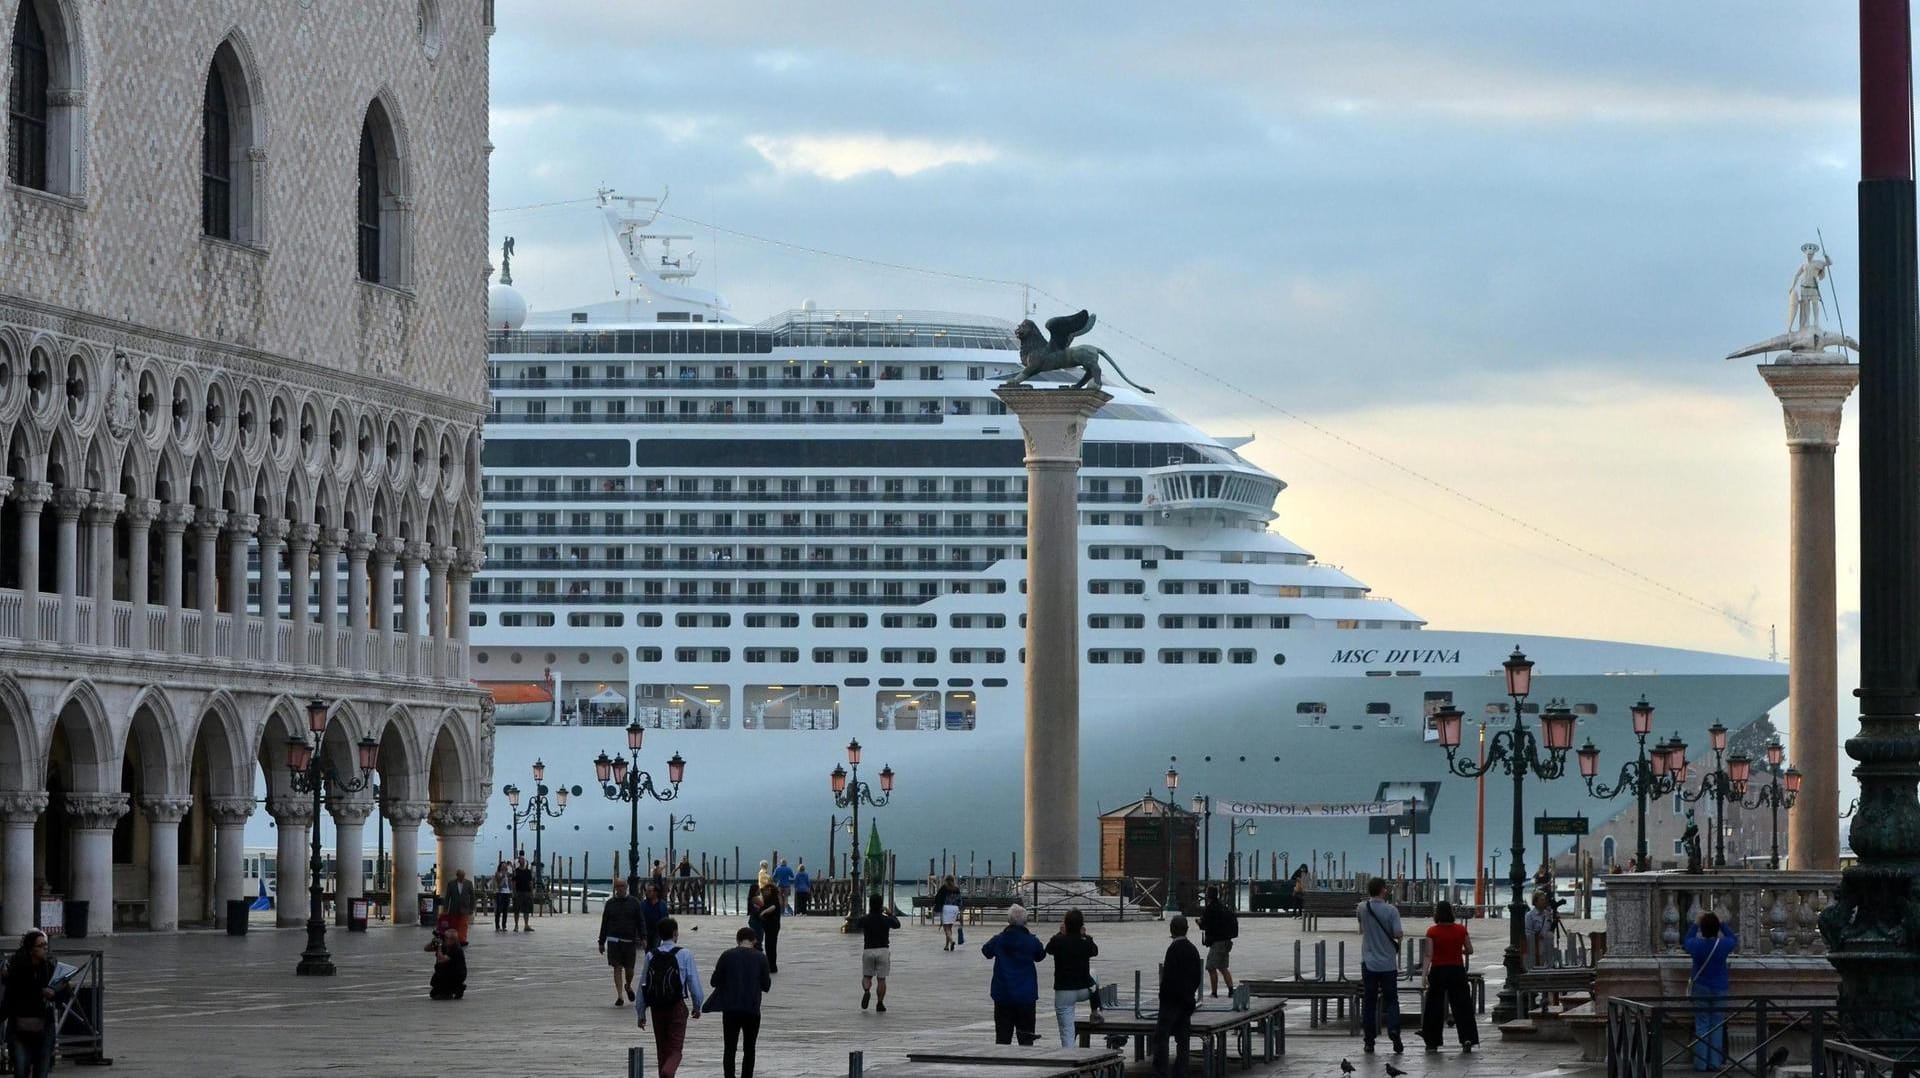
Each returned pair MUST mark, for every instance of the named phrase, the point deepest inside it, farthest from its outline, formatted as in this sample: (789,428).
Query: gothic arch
(59,167)
(151,740)
(220,739)
(20,751)
(384,200)
(453,766)
(81,720)
(233,73)
(402,770)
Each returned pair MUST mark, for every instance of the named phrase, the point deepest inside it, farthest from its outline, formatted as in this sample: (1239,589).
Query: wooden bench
(970,907)
(130,913)
(1317,904)
(1015,1061)
(962,1070)
(1534,986)
(1339,1000)
(1212,1025)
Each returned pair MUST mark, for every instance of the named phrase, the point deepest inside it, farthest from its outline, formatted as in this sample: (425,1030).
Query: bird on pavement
(1778,1057)
(1393,1071)
(1346,1067)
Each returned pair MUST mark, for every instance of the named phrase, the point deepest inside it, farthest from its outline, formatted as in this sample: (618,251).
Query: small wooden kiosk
(1134,840)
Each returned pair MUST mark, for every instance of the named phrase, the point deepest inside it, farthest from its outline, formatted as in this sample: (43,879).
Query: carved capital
(209,520)
(349,811)
(229,811)
(69,502)
(388,549)
(1053,421)
(96,812)
(414,553)
(331,539)
(67,98)
(6,486)
(166,809)
(303,535)
(1812,398)
(295,810)
(360,544)
(140,512)
(274,529)
(471,562)
(257,154)
(32,494)
(458,818)
(23,805)
(242,525)
(175,517)
(406,813)
(440,557)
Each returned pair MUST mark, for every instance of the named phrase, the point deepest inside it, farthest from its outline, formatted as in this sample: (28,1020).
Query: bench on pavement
(1015,1061)
(129,913)
(970,907)
(1317,904)
(1211,1025)
(1534,986)
(1330,1001)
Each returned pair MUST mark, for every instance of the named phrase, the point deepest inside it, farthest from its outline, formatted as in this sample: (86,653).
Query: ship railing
(630,599)
(497,498)
(718,531)
(751,418)
(734,565)
(850,381)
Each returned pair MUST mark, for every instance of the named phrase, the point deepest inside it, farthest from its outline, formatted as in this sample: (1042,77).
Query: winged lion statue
(1057,352)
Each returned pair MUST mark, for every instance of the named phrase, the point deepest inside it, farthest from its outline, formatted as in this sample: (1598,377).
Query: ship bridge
(1213,485)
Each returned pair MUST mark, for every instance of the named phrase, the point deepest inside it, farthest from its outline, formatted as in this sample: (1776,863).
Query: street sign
(1559,825)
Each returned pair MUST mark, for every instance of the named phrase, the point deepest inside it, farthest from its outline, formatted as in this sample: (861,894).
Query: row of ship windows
(723,521)
(512,590)
(650,620)
(618,619)
(928,656)
(786,485)
(838,454)
(538,375)
(616,409)
(728,341)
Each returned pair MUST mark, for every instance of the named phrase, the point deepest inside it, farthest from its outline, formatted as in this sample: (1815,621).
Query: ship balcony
(509,382)
(761,418)
(1209,486)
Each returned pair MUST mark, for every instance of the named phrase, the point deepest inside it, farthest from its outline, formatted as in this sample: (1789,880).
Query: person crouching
(449,963)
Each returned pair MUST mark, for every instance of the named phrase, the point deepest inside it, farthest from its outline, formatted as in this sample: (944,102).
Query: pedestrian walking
(739,978)
(783,879)
(668,981)
(771,911)
(502,895)
(449,979)
(802,888)
(876,953)
(460,904)
(27,1004)
(946,901)
(622,933)
(1073,951)
(1219,927)
(1016,954)
(522,894)
(1709,943)
(1380,935)
(653,910)
(764,877)
(1448,946)
(754,900)
(1180,972)
(1542,918)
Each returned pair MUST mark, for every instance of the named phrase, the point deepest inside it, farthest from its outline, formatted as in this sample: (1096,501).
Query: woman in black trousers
(770,911)
(1448,946)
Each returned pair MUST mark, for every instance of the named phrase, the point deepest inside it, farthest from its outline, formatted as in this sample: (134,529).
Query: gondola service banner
(1318,810)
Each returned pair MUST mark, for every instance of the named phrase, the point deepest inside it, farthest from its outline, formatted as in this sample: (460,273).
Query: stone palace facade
(242,380)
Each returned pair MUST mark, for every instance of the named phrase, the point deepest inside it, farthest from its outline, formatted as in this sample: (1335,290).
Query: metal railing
(1750,1035)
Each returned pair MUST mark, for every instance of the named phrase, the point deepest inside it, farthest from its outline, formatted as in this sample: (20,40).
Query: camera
(1559,902)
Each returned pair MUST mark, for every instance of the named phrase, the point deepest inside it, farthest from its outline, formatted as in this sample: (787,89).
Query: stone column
(454,825)
(349,846)
(229,856)
(461,583)
(384,554)
(31,498)
(91,819)
(174,519)
(163,859)
(411,558)
(292,815)
(329,547)
(20,809)
(438,563)
(404,886)
(300,539)
(240,529)
(103,512)
(1053,423)
(68,504)
(273,534)
(359,545)
(140,515)
(207,523)
(1813,390)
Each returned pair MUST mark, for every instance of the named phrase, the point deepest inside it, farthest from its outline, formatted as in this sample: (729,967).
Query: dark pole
(1233,862)
(1206,846)
(633,828)
(854,903)
(1641,780)
(539,849)
(516,833)
(1879,976)
(1509,1004)
(1773,806)
(315,961)
(1719,811)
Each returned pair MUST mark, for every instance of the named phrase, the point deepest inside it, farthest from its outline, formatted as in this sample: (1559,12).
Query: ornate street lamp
(1646,776)
(1780,792)
(850,792)
(675,825)
(1519,753)
(546,804)
(1717,783)
(1234,828)
(1172,903)
(621,779)
(307,772)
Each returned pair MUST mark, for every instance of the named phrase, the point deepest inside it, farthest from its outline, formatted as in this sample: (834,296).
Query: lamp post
(1646,776)
(1203,808)
(544,805)
(1719,783)
(308,773)
(849,793)
(1172,904)
(1517,752)
(622,780)
(1234,827)
(834,824)
(675,825)
(1777,794)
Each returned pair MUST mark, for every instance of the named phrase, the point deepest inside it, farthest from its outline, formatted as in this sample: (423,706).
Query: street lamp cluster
(621,779)
(308,772)
(546,804)
(849,793)
(1647,776)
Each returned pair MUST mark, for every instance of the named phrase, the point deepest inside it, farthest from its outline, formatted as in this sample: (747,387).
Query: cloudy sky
(1465,270)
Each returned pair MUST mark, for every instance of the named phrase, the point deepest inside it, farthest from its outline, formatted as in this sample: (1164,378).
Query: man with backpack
(668,980)
(1219,926)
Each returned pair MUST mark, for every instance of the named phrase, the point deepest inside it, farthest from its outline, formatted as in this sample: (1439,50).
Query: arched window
(44,100)
(368,204)
(216,158)
(230,150)
(1607,851)
(382,202)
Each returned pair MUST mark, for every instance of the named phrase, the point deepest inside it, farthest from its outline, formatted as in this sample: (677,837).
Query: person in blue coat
(802,888)
(1709,943)
(783,879)
(1016,955)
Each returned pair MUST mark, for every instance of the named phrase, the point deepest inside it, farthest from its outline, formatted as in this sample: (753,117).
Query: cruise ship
(761,540)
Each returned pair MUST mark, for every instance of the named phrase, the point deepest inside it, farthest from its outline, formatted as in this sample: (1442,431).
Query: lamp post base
(1506,1006)
(315,961)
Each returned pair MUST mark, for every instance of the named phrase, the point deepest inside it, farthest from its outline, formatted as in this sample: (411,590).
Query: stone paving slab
(208,1004)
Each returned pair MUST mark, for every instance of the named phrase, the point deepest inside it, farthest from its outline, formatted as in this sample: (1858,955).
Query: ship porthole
(479,656)
(1279,659)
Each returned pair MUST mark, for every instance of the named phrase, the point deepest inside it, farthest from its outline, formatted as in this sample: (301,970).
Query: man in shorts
(522,894)
(1218,927)
(620,934)
(876,956)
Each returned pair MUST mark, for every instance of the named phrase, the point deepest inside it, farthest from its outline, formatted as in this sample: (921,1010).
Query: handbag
(961,932)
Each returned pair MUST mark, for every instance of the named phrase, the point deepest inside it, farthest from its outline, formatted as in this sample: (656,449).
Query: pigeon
(1393,1071)
(1346,1067)
(1778,1057)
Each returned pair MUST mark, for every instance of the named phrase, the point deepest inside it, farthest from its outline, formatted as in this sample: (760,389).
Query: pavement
(208,1004)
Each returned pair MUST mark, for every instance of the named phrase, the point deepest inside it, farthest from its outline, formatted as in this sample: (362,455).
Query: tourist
(770,913)
(876,953)
(460,903)
(1179,997)
(502,896)
(802,888)
(653,910)
(1073,951)
(739,978)
(522,894)
(659,874)
(27,1005)
(946,903)
(1380,935)
(1541,921)
(668,980)
(449,962)
(1219,927)
(783,879)
(1709,943)
(624,928)
(754,902)
(685,869)
(1016,981)
(764,877)
(1448,946)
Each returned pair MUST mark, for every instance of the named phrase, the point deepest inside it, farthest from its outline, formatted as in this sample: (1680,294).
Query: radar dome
(506,307)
